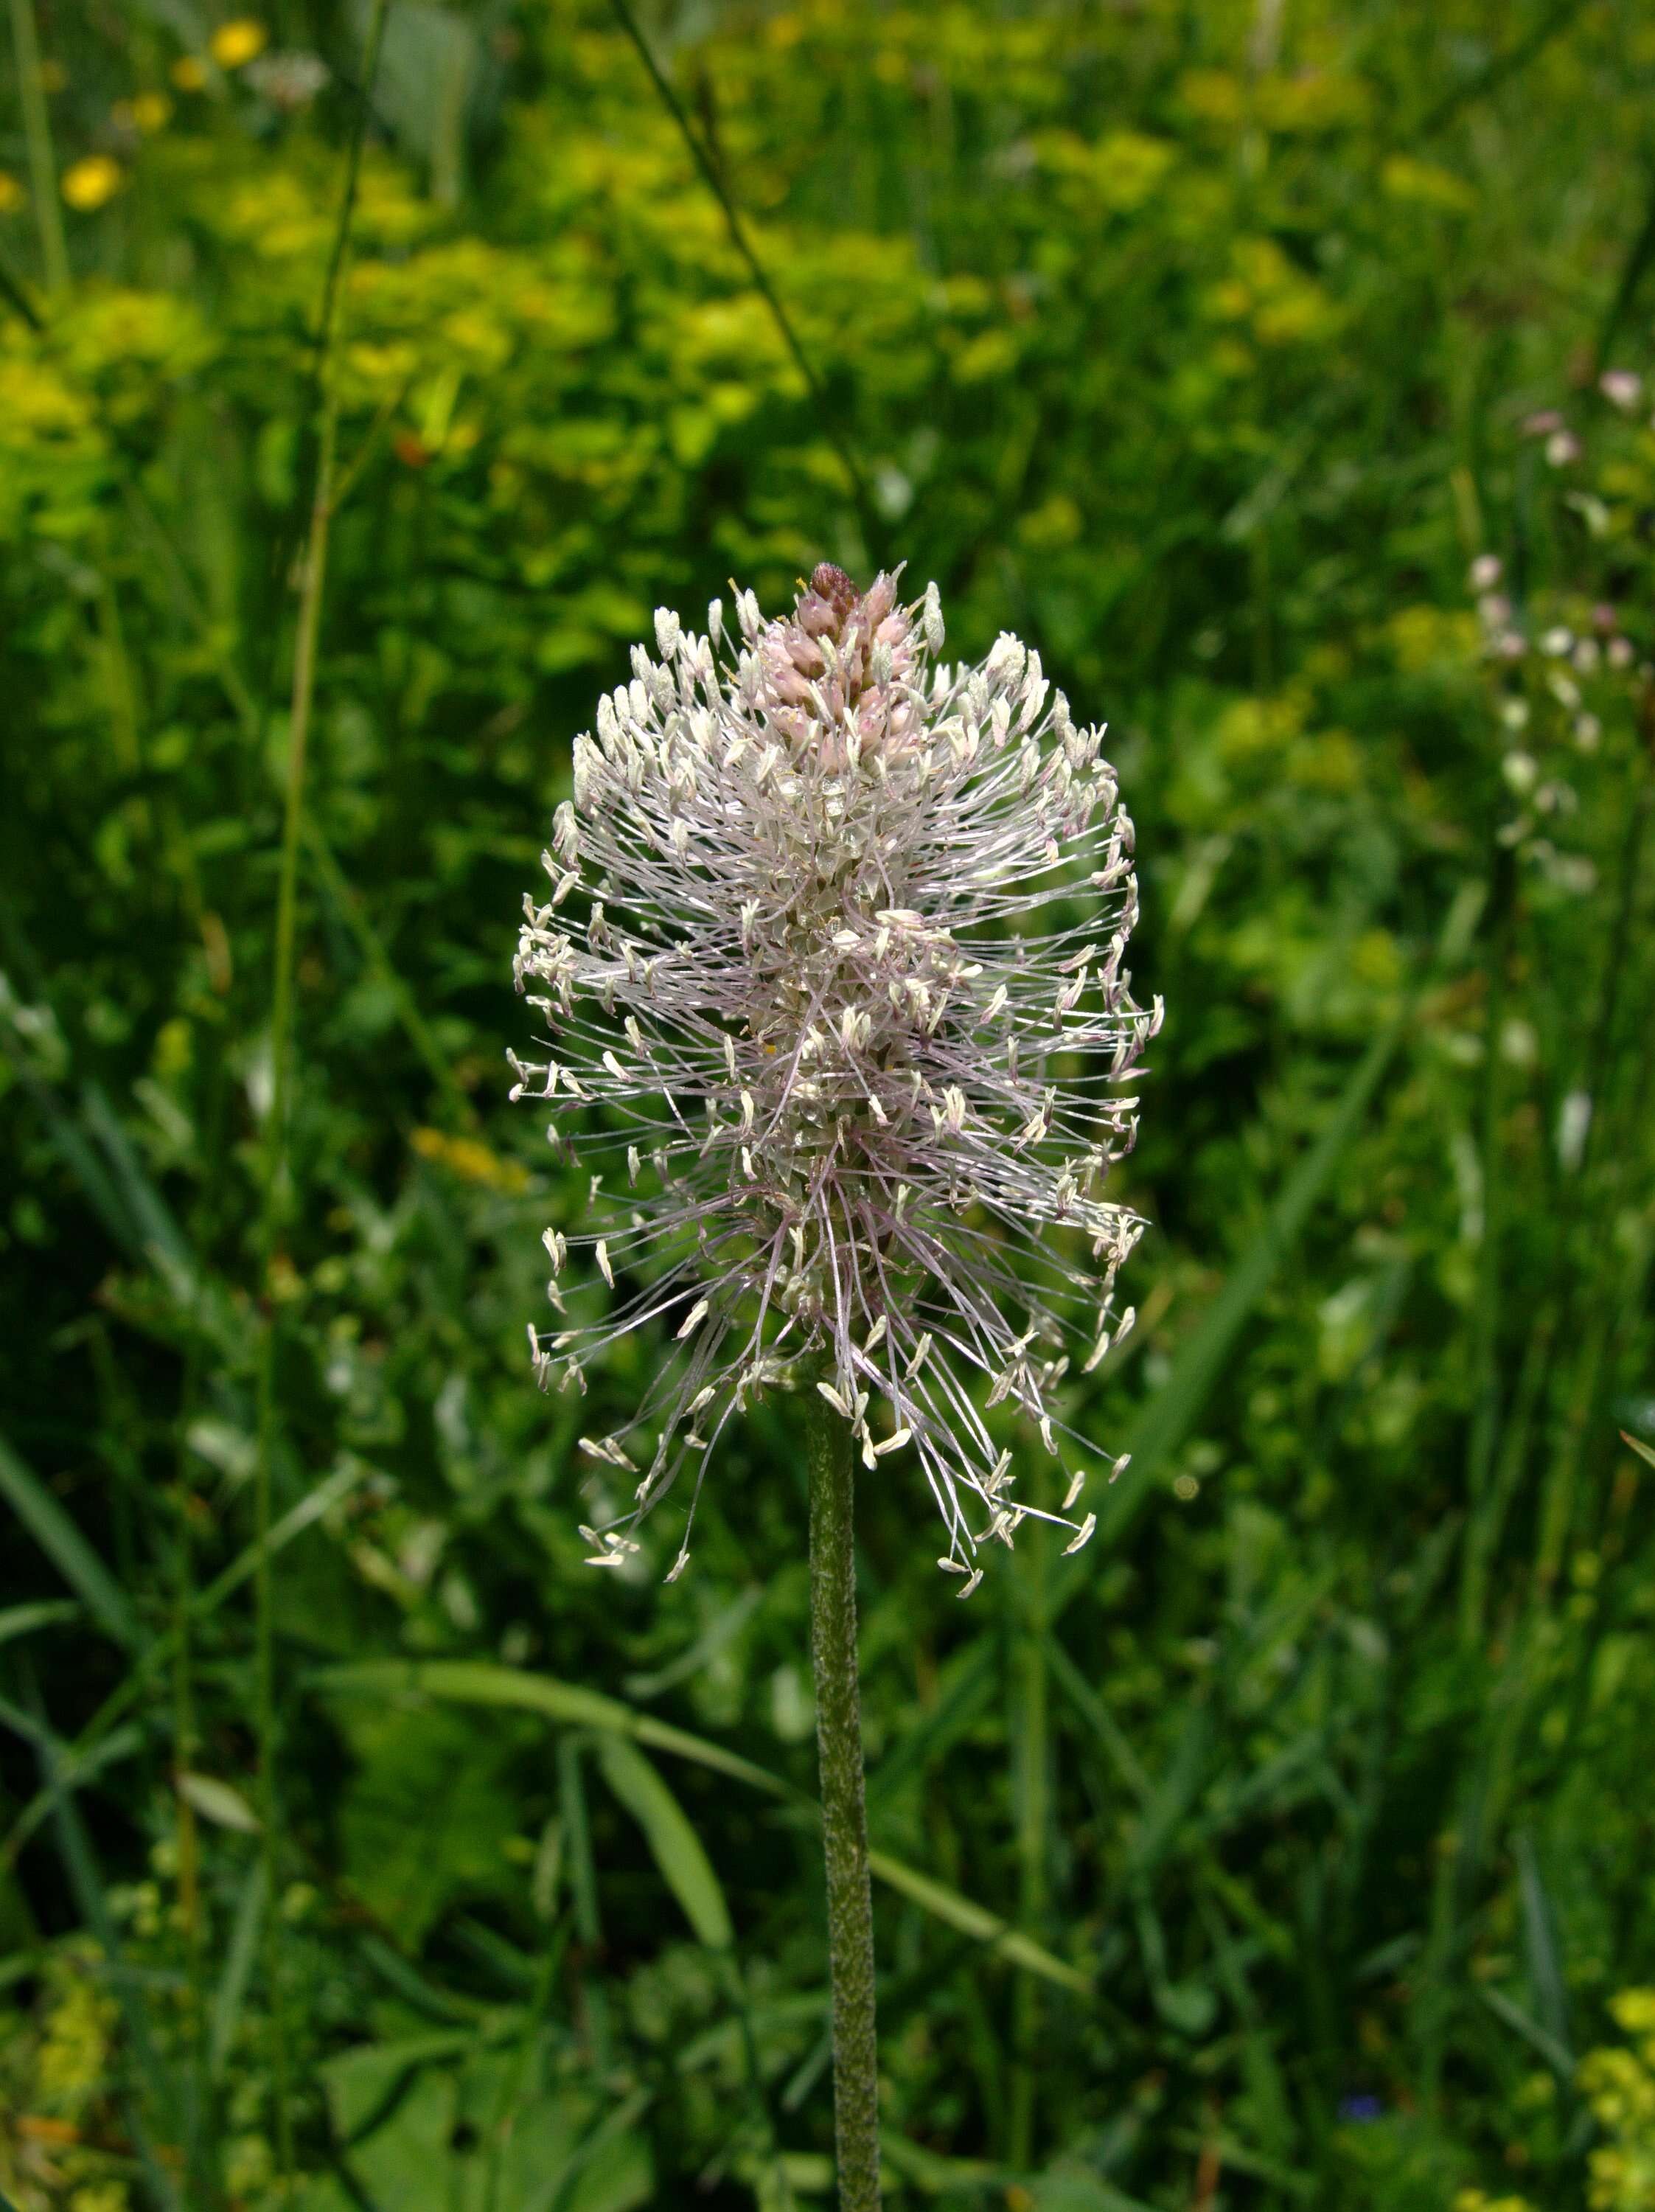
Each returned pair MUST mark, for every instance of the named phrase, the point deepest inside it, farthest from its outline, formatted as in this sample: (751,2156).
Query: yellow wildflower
(73,2053)
(1426,185)
(90,182)
(472,1161)
(1213,95)
(235,44)
(37,403)
(12,195)
(152,112)
(1619,2085)
(188,74)
(100,2197)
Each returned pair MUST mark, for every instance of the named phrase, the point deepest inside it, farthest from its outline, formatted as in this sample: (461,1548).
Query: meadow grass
(1290,1846)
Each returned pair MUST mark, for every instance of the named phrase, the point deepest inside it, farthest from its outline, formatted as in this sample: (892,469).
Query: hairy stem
(844,1810)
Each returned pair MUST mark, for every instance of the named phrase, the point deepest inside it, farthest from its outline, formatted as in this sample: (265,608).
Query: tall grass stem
(275,1165)
(827,416)
(36,134)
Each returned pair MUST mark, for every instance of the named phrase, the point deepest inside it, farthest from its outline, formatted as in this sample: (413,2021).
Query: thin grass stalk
(274,1163)
(1563,1477)
(767,2149)
(827,416)
(1485,1417)
(346,899)
(187,1834)
(37,133)
(844,1807)
(592,1996)
(185,1723)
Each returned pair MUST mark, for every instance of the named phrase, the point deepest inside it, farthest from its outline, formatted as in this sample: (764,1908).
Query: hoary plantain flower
(833,972)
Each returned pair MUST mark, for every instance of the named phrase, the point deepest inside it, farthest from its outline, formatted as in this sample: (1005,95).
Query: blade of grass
(242,1949)
(1173,1412)
(998,1936)
(1540,1948)
(63,1544)
(1640,257)
(91,1895)
(36,132)
(583,1885)
(726,1625)
(1500,69)
(82,1161)
(970,1687)
(79,1768)
(1557,2056)
(348,902)
(311,1507)
(827,415)
(23,1619)
(478,1682)
(674,1845)
(556,2196)
(92,1748)
(161,1239)
(1092,1709)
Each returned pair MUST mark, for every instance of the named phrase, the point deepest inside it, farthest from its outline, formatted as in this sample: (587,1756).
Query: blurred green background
(1296,1851)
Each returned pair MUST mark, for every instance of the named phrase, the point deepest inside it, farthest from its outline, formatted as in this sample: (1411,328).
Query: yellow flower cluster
(74,2055)
(106,363)
(92,182)
(1264,290)
(471,1161)
(1619,2085)
(233,44)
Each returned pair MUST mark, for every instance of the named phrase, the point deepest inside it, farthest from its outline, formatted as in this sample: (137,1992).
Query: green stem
(275,1152)
(1031,1723)
(826,419)
(1485,1354)
(37,132)
(844,1810)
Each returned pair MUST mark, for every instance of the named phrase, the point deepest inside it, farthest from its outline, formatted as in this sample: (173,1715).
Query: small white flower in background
(834,966)
(1622,388)
(1573,1127)
(287,80)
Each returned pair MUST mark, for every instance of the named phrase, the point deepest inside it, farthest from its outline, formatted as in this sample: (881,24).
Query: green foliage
(1289,1846)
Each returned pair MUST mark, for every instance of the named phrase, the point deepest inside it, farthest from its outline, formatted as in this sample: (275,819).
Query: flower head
(287,80)
(92,182)
(234,44)
(1621,387)
(833,967)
